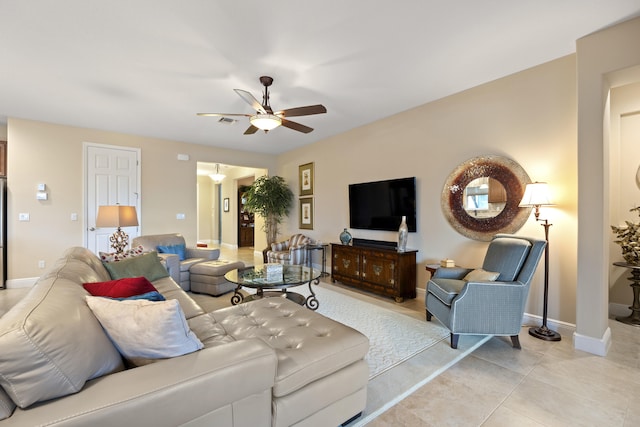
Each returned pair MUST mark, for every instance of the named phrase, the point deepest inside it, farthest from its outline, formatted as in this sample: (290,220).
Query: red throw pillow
(120,288)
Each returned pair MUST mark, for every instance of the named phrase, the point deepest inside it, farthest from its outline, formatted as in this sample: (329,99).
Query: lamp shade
(265,121)
(536,194)
(117,216)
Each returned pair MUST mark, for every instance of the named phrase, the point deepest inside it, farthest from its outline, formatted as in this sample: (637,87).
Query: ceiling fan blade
(222,114)
(296,126)
(251,100)
(250,130)
(302,111)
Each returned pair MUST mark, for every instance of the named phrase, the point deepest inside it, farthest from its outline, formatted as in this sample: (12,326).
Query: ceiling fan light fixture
(265,121)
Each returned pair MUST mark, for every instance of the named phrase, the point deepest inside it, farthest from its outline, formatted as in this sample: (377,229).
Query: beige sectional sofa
(268,362)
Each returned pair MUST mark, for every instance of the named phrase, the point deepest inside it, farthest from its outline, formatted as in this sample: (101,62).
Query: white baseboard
(597,346)
(535,320)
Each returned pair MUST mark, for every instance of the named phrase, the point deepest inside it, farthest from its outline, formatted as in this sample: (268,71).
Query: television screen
(381,205)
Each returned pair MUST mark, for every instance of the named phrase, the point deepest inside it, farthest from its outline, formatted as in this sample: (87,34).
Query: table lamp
(117,216)
(536,195)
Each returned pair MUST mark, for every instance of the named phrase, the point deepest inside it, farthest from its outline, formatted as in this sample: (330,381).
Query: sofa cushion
(115,256)
(51,342)
(179,250)
(6,405)
(120,288)
(147,265)
(143,330)
(309,345)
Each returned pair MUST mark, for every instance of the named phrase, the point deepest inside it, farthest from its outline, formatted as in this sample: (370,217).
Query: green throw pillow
(147,265)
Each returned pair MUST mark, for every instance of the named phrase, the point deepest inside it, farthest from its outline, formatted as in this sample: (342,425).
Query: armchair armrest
(172,263)
(451,273)
(280,246)
(207,253)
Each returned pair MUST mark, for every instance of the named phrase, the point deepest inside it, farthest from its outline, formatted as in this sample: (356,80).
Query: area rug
(393,337)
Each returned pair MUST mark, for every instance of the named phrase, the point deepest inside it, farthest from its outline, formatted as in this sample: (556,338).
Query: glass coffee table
(292,276)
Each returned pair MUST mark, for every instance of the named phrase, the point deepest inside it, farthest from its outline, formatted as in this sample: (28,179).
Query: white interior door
(112,177)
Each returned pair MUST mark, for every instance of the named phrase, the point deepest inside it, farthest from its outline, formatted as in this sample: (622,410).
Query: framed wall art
(226,204)
(306,213)
(305,177)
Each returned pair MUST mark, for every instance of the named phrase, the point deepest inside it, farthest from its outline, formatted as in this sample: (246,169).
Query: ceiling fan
(267,119)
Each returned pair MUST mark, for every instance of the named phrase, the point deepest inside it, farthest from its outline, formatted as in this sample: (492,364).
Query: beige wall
(602,57)
(529,117)
(52,154)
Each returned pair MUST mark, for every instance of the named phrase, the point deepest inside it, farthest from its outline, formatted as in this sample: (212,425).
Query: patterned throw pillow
(113,257)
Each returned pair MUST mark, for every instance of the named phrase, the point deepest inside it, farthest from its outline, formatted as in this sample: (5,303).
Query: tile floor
(544,384)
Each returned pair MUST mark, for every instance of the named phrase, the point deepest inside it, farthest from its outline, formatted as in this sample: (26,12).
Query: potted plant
(271,198)
(629,240)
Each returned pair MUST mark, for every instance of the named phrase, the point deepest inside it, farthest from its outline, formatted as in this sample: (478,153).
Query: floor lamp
(536,195)
(117,216)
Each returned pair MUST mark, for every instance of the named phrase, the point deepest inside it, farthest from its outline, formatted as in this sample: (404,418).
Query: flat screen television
(381,205)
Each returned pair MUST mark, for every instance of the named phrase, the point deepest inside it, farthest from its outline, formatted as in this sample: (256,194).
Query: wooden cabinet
(382,271)
(245,223)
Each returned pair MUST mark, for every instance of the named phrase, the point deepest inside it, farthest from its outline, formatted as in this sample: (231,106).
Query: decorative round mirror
(480,198)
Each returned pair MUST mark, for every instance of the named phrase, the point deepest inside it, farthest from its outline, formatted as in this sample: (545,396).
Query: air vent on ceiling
(226,121)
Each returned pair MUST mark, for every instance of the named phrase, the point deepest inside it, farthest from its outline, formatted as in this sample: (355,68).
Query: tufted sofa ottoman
(208,277)
(321,372)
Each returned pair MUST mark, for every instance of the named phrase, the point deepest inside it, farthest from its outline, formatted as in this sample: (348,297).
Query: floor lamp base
(544,333)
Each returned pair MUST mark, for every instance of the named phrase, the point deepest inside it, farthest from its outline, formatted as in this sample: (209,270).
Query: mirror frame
(514,180)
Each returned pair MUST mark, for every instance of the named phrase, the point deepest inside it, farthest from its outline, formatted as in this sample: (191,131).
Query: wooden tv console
(379,270)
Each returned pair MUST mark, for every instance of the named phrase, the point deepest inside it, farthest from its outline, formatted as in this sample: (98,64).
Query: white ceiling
(146,67)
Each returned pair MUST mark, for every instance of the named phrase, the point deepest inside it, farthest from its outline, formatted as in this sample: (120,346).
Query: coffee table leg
(312,302)
(237,297)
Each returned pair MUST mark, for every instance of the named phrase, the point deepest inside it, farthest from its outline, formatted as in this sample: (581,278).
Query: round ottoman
(208,277)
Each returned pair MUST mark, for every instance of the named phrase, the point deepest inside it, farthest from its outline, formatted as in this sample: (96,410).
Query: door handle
(92,229)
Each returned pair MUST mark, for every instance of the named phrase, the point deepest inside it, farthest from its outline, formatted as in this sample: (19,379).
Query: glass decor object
(345,237)
(403,234)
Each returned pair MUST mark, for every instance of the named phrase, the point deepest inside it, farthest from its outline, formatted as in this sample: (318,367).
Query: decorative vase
(345,237)
(403,234)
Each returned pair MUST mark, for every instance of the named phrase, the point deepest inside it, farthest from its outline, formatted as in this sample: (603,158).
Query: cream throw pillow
(480,275)
(143,329)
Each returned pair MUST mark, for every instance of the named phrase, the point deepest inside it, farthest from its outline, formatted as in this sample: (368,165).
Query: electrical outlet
(74,216)
(180,216)
(41,263)
(23,217)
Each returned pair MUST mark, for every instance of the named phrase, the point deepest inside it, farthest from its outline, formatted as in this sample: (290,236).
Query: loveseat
(269,362)
(178,257)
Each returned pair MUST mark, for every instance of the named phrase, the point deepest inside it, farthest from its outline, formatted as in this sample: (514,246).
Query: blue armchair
(485,305)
